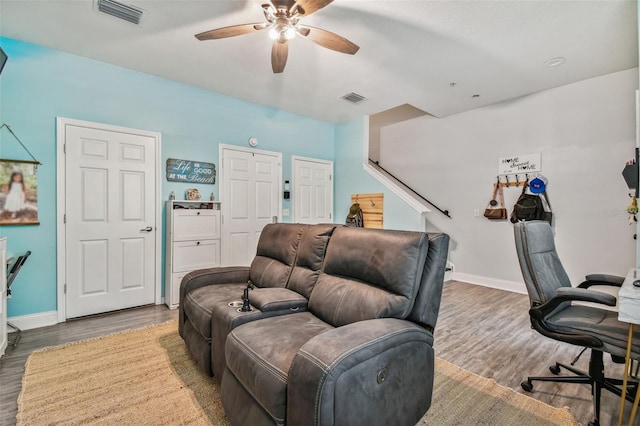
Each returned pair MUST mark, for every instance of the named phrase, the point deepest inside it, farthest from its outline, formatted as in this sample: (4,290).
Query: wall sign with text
(190,171)
(529,163)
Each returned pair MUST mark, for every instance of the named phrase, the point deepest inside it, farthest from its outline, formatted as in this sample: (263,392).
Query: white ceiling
(410,51)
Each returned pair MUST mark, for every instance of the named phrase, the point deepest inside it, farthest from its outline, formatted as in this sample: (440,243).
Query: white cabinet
(193,242)
(4,340)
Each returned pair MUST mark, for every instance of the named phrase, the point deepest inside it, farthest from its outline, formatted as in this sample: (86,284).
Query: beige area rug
(146,377)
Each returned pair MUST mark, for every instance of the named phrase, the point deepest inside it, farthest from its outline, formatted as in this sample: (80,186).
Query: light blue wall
(39,84)
(351,178)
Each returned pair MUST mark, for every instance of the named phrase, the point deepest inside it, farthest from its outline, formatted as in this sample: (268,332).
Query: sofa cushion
(198,304)
(275,301)
(205,278)
(310,258)
(369,273)
(275,254)
(260,353)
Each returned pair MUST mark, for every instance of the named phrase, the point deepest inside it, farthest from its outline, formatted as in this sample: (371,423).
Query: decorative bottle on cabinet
(193,242)
(4,339)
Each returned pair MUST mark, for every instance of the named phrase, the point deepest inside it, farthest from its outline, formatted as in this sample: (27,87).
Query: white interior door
(110,259)
(312,190)
(250,187)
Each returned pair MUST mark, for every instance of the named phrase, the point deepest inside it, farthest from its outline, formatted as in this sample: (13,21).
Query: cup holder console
(239,304)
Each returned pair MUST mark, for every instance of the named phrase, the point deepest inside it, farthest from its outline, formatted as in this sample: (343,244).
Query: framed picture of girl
(18,193)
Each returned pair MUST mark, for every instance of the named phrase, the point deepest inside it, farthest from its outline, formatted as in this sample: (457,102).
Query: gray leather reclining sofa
(340,330)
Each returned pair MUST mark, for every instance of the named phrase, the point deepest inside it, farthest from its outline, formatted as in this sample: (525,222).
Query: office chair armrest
(602,279)
(569,294)
(584,295)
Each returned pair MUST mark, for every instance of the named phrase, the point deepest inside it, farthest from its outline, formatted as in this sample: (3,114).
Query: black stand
(11,275)
(246,307)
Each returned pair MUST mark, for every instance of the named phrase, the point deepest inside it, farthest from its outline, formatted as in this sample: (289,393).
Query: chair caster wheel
(594,423)
(527,386)
(554,369)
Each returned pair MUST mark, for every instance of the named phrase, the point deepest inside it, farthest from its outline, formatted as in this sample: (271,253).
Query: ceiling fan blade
(307,7)
(303,31)
(232,31)
(329,40)
(279,54)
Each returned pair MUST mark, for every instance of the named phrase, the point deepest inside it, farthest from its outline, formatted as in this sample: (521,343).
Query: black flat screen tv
(3,59)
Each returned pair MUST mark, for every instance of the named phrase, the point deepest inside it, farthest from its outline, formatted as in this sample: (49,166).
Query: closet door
(312,190)
(250,187)
(110,214)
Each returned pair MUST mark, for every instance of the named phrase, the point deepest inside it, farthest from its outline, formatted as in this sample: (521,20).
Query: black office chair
(553,314)
(11,276)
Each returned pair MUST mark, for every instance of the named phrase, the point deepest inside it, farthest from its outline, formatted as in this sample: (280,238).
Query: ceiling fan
(283,21)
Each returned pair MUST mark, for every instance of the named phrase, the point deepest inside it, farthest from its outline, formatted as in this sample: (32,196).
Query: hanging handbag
(531,207)
(496,210)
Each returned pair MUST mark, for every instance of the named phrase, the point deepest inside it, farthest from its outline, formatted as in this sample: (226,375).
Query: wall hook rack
(509,182)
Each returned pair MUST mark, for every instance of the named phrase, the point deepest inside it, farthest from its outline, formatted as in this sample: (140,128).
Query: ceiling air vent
(120,10)
(354,98)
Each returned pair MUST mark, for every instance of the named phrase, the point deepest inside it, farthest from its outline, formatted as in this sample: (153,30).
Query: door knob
(147,229)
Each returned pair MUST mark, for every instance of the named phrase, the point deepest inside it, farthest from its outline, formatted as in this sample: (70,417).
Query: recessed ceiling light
(555,62)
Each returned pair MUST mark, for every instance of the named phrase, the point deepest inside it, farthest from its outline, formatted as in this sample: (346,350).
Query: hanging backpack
(531,207)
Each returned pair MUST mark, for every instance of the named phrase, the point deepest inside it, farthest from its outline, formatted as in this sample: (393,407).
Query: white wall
(350,178)
(585,132)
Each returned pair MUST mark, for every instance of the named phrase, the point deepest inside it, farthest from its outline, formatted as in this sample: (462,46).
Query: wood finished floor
(482,330)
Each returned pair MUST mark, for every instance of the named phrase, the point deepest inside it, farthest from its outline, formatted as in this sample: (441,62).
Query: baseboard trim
(512,286)
(41,319)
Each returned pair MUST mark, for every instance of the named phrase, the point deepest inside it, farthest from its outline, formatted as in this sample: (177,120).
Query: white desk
(629,302)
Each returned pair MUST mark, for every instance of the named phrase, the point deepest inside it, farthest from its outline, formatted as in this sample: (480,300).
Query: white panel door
(312,191)
(110,220)
(250,188)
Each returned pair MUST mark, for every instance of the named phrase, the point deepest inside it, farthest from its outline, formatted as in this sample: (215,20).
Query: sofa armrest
(277,299)
(377,371)
(211,276)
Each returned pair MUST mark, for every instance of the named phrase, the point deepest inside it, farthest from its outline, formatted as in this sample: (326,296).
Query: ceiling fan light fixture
(282,22)
(282,32)
(289,33)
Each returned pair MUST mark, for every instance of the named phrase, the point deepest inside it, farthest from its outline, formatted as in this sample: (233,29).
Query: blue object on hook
(537,185)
